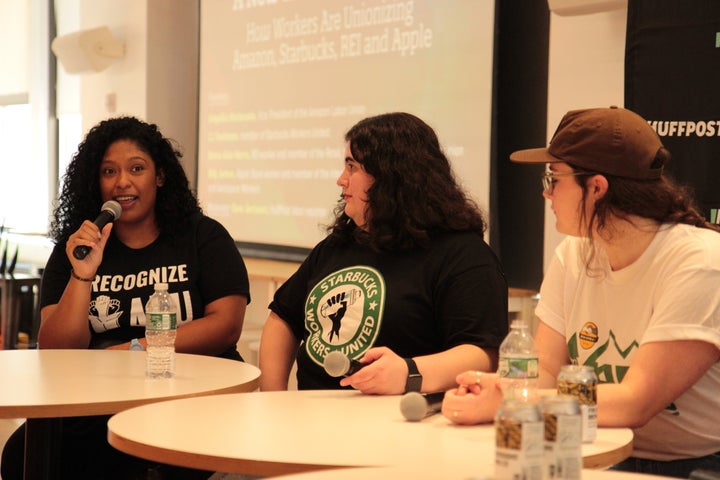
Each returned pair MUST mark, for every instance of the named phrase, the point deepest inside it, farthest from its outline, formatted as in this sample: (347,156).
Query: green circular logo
(343,312)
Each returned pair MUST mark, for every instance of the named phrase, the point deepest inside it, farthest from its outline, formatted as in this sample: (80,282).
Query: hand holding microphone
(336,364)
(378,372)
(109,212)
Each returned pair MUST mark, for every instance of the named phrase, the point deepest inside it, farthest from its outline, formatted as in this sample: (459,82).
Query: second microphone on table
(415,406)
(109,212)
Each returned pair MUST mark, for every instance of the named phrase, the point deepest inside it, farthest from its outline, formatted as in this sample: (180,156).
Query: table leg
(42,448)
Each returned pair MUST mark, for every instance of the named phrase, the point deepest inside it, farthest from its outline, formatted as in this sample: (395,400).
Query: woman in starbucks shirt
(404,282)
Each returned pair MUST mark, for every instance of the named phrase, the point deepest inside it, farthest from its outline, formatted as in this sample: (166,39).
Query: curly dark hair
(414,195)
(80,197)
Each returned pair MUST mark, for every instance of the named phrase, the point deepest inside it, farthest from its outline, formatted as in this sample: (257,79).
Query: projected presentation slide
(281,82)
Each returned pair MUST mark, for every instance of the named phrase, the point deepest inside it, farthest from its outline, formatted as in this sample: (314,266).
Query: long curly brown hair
(80,197)
(414,194)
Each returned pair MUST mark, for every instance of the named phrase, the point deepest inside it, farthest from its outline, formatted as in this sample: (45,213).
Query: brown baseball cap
(615,141)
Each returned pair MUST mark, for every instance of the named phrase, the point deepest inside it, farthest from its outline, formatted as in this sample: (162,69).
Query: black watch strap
(414,379)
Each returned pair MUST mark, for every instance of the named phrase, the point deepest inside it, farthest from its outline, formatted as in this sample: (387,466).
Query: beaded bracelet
(78,277)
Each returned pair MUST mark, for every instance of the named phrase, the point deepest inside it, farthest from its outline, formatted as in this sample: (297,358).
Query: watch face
(414,383)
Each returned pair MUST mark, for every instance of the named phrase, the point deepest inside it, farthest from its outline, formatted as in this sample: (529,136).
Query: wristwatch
(414,379)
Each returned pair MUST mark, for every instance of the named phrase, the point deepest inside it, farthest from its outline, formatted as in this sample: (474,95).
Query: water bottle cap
(161,286)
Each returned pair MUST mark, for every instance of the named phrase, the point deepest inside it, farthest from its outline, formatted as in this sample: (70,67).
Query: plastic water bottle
(518,365)
(160,331)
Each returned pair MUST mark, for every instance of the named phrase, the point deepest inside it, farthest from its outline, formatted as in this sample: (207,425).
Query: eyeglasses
(548,179)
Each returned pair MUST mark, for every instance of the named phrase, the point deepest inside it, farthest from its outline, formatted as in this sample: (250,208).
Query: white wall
(586,69)
(155,81)
(126,79)
(14,48)
(157,78)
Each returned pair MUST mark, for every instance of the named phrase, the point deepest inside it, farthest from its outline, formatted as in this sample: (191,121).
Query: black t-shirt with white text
(200,266)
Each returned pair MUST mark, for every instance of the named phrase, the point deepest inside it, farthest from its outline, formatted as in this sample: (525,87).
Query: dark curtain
(672,78)
(522,31)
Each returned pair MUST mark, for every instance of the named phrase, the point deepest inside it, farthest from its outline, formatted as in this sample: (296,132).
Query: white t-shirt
(672,292)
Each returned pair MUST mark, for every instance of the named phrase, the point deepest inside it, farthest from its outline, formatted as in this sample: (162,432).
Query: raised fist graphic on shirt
(334,309)
(104,313)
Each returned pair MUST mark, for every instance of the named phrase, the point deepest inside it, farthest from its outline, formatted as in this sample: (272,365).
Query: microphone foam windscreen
(113,207)
(413,406)
(336,364)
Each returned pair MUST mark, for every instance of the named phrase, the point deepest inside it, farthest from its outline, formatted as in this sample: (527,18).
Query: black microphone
(336,364)
(416,406)
(110,211)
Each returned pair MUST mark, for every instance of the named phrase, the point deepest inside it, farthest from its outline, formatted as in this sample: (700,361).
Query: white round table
(43,385)
(458,473)
(274,433)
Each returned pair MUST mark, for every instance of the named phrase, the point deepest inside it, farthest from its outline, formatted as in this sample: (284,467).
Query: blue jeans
(672,468)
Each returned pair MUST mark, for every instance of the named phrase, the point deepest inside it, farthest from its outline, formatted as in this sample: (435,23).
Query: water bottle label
(162,321)
(518,367)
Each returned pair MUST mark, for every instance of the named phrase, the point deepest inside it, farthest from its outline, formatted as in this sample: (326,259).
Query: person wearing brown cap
(631,291)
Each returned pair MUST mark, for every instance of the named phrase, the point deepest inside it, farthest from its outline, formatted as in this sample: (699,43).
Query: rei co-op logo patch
(343,312)
(588,335)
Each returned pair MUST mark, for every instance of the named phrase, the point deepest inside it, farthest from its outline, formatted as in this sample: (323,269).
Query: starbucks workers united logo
(343,312)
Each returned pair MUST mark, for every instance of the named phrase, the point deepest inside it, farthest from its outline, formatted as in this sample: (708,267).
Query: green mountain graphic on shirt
(607,373)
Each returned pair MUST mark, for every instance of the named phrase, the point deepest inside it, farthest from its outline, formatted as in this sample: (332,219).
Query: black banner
(672,78)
